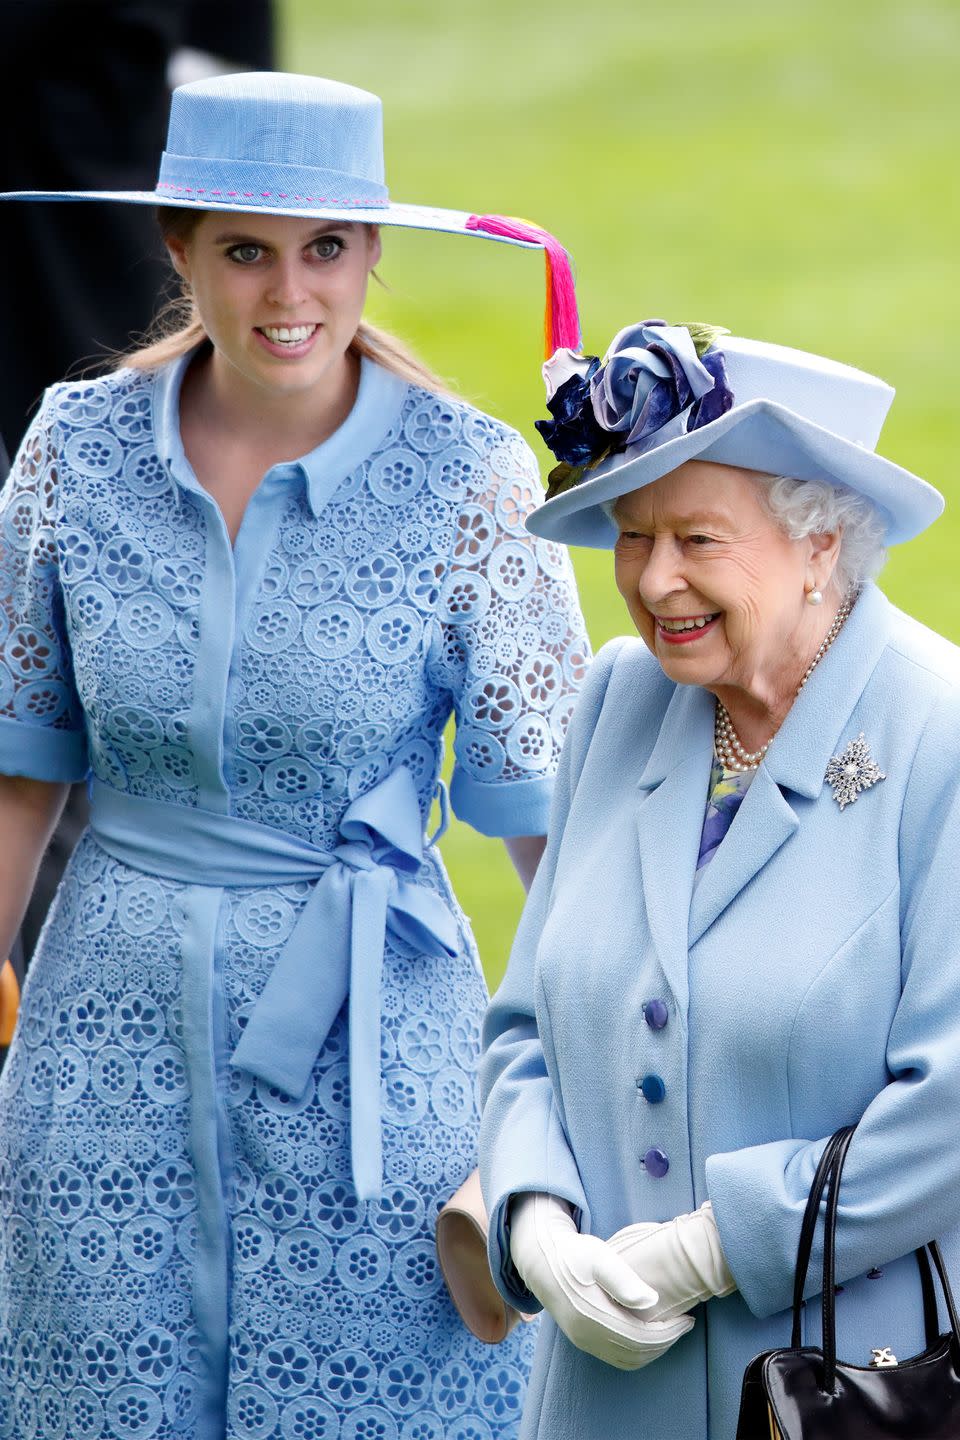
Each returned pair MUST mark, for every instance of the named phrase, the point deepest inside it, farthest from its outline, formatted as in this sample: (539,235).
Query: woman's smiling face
(714,586)
(279,297)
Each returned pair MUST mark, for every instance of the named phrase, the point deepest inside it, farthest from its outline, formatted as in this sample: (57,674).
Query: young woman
(245,581)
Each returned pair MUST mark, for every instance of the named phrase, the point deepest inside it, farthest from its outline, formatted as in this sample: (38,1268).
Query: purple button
(652,1088)
(656,1014)
(656,1163)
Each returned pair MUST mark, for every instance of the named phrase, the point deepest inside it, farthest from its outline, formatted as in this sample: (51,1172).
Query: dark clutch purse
(806,1393)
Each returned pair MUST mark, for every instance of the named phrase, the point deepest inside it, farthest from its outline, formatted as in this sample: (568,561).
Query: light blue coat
(811,980)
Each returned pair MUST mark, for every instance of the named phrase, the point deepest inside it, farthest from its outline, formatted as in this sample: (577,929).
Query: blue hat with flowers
(664,394)
(299,145)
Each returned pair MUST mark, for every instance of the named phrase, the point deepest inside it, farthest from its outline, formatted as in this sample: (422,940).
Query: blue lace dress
(184,1253)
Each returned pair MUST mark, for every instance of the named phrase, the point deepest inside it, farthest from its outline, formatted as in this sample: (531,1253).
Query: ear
(824,553)
(374,246)
(179,257)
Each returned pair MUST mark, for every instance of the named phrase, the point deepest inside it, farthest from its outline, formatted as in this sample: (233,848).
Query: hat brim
(412,217)
(759,435)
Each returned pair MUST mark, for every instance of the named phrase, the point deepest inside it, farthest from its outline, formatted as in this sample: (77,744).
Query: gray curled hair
(815,507)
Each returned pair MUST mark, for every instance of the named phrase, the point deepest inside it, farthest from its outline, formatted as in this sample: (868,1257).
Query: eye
(246,254)
(328,247)
(700,539)
(632,538)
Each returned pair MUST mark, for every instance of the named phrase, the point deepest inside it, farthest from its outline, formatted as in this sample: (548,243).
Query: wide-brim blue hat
(283,144)
(734,401)
(302,146)
(299,145)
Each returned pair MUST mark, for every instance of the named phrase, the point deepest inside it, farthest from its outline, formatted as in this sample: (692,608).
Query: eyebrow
(708,519)
(246,237)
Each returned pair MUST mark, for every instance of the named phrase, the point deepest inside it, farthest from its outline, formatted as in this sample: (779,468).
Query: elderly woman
(743,934)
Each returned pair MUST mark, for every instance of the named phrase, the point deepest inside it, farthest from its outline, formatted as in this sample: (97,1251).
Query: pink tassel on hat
(561,323)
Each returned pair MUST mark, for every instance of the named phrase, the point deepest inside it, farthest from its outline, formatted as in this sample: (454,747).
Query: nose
(287,285)
(662,573)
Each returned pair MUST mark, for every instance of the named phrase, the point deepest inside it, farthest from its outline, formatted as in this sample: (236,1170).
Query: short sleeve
(41,721)
(513,648)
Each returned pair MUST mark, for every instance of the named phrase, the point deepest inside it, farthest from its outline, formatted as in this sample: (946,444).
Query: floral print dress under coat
(726,794)
(183,1255)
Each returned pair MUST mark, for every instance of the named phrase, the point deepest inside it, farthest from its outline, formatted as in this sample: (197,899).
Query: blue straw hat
(299,145)
(665,394)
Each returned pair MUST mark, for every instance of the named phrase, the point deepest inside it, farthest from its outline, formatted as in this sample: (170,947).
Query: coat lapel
(764,821)
(672,793)
(795,763)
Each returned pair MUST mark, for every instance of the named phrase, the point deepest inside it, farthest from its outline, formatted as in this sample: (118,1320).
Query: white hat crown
(837,397)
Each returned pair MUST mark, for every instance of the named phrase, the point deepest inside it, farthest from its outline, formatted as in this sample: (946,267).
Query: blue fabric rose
(656,382)
(573,434)
(651,375)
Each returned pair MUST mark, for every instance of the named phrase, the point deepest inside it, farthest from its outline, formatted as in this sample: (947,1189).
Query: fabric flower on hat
(574,435)
(655,380)
(651,374)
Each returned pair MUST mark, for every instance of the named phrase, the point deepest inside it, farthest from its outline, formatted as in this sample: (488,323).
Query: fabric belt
(366,888)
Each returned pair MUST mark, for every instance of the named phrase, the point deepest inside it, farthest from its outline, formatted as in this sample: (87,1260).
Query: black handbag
(806,1393)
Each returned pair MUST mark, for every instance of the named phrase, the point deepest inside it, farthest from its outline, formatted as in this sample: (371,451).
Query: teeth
(674,627)
(288,334)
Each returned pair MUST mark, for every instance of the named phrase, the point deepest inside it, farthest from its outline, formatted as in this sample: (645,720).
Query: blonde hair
(179,329)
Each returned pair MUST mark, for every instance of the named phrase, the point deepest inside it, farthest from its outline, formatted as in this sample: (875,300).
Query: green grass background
(787,170)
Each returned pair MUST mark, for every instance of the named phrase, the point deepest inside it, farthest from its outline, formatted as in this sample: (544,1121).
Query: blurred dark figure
(83,105)
(222,35)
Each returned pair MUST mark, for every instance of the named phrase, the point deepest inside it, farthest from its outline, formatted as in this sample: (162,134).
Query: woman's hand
(682,1259)
(9,1002)
(593,1295)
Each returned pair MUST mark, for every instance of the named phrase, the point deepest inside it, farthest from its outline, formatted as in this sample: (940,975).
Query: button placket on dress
(232,578)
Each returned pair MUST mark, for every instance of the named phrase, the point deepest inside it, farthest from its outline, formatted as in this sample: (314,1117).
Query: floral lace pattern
(352,629)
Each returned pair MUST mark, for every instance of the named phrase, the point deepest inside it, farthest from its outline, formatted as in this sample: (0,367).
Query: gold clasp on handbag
(883,1358)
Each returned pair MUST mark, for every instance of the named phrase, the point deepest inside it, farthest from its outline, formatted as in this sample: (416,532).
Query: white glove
(682,1259)
(592,1293)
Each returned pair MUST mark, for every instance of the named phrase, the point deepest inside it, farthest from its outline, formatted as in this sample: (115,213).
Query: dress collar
(380,398)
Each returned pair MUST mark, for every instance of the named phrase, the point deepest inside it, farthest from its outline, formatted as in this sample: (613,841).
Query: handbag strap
(808,1229)
(827,1179)
(829,1295)
(954,1316)
(931,1314)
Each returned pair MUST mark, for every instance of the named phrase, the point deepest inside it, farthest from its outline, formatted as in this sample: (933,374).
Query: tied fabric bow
(368,890)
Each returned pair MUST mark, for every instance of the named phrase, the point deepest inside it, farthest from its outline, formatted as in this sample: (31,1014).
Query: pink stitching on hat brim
(359,202)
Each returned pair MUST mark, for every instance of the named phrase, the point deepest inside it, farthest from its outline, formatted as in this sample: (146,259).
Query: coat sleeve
(523,1143)
(902,1175)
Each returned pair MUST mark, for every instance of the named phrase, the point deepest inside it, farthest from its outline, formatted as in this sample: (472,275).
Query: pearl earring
(814,597)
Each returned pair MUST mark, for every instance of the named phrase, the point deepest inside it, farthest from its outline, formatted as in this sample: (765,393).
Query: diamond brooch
(852,771)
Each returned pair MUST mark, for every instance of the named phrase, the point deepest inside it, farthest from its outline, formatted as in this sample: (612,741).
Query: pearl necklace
(727,744)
